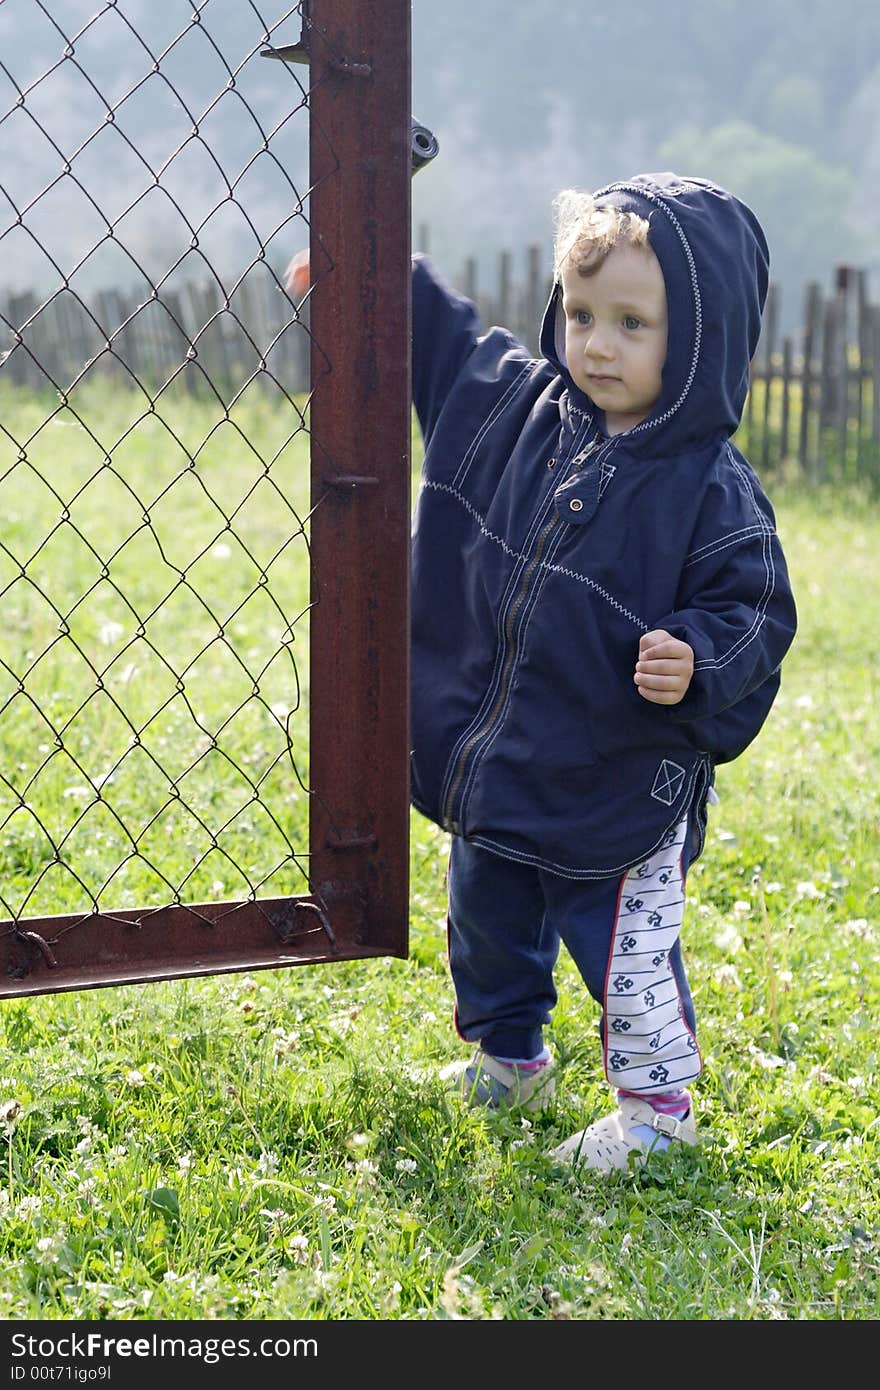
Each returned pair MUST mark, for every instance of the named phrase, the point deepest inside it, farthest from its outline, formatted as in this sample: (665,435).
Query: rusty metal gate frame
(360,142)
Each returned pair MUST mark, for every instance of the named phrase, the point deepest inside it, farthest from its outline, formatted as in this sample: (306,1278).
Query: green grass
(154,586)
(845,452)
(277,1146)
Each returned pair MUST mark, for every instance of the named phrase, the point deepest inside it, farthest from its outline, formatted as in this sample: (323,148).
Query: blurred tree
(804,204)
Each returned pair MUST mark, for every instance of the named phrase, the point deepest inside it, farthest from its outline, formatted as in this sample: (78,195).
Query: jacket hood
(715,262)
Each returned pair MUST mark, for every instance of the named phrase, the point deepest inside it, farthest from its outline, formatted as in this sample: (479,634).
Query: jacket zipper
(485,728)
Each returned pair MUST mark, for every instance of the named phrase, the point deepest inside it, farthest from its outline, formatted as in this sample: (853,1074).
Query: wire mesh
(156,580)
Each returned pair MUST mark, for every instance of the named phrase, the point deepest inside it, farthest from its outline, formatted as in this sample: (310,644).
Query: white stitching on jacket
(542,564)
(716,663)
(513,588)
(495,413)
(724,543)
(566,870)
(510,592)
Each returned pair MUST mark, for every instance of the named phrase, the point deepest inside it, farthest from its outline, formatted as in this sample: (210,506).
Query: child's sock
(674,1103)
(526,1064)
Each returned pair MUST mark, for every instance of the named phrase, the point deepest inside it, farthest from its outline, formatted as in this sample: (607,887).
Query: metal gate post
(360,213)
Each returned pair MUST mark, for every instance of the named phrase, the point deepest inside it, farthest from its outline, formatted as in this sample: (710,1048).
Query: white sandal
(607,1144)
(484,1081)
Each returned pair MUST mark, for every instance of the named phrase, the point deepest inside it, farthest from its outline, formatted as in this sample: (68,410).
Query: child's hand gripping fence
(204,489)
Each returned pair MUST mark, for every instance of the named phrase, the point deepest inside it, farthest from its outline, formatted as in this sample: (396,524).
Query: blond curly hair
(586,233)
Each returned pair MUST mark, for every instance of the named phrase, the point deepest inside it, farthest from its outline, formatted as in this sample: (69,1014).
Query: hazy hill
(780,99)
(205,156)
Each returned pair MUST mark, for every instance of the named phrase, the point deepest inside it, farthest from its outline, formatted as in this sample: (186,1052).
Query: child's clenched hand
(664,668)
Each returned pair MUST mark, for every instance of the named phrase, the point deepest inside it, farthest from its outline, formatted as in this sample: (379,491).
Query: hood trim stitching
(698,303)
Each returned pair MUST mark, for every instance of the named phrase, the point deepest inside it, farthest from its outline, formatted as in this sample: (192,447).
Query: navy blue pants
(506,921)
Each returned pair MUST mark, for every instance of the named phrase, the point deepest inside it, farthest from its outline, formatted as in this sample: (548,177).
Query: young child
(600,609)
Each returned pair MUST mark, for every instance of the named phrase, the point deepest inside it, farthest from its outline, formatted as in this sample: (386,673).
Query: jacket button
(576,504)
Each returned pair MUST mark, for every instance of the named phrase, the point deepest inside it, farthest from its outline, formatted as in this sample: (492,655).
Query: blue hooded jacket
(543,550)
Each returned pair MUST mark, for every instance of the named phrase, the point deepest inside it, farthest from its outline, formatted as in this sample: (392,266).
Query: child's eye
(583,317)
(630,321)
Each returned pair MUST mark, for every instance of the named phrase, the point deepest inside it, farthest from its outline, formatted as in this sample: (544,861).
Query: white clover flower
(29,1206)
(365,1172)
(391,1299)
(858,926)
(766,1060)
(808,890)
(741,909)
(728,939)
(109,633)
(135,1078)
(48,1248)
(11,1112)
(284,1042)
(267,1163)
(406,1165)
(728,974)
(276,1216)
(357,1141)
(184,1163)
(298,1247)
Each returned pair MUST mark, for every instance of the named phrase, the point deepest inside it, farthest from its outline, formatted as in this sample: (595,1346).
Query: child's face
(615,333)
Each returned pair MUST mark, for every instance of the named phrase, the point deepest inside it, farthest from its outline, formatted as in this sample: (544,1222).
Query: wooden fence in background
(813,410)
(193,331)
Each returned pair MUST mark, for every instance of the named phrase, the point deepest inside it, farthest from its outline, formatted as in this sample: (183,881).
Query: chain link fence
(194,720)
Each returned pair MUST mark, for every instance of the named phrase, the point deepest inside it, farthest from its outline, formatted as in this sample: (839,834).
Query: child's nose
(598,343)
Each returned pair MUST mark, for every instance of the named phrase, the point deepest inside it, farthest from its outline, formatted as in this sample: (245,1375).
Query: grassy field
(277,1145)
(154,584)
